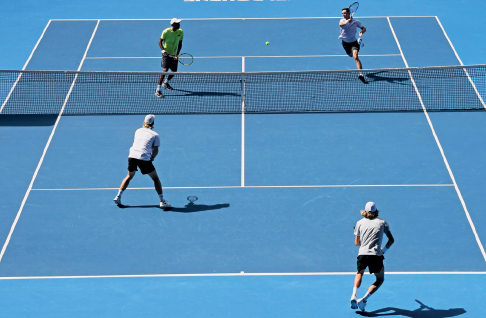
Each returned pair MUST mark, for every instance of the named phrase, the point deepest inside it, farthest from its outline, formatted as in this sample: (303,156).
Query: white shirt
(348,31)
(145,141)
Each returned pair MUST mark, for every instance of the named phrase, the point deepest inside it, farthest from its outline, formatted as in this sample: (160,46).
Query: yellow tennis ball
(267,43)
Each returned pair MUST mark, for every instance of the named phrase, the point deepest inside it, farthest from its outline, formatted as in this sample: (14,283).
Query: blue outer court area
(271,233)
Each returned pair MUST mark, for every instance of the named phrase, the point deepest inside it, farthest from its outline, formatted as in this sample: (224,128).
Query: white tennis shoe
(354,302)
(159,94)
(117,200)
(167,86)
(164,204)
(362,304)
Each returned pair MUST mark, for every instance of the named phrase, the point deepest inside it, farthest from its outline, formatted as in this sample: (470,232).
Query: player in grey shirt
(369,236)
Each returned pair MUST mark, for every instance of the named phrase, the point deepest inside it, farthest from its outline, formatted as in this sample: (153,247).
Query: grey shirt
(370,233)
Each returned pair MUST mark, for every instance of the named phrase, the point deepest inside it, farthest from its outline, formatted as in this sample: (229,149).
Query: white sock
(161,196)
(158,88)
(355,291)
(119,193)
(166,80)
(366,296)
(360,73)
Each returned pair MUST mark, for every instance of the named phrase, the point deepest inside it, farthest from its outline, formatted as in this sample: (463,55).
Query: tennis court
(278,193)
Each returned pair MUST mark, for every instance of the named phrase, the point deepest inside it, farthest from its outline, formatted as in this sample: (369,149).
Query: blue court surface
(271,233)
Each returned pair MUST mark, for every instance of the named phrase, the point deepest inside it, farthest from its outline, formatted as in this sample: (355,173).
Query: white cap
(149,119)
(175,20)
(370,207)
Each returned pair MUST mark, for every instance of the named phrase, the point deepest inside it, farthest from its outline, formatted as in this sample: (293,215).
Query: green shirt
(171,40)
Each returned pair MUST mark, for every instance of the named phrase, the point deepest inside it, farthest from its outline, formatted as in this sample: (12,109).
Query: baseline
(202,19)
(243,274)
(243,186)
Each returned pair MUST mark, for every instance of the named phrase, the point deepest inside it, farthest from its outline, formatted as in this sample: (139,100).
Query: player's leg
(361,264)
(158,187)
(172,63)
(358,63)
(357,283)
(165,68)
(380,278)
(125,184)
(356,58)
(377,268)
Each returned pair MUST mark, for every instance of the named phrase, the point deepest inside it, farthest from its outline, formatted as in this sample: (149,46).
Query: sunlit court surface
(278,187)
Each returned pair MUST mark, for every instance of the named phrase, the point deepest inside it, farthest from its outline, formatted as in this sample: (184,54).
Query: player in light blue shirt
(348,36)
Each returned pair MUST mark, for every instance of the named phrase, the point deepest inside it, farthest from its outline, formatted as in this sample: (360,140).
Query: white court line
(242,123)
(232,56)
(45,151)
(237,274)
(440,148)
(457,55)
(25,65)
(246,186)
(212,19)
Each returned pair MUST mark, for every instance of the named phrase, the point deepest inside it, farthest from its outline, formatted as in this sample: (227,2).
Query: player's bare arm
(391,240)
(363,30)
(155,152)
(162,47)
(357,241)
(178,50)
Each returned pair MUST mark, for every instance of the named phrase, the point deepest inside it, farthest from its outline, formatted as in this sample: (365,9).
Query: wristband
(346,22)
(163,51)
(384,249)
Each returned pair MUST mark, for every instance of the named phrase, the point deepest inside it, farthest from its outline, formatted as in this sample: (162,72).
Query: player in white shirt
(348,36)
(144,150)
(369,236)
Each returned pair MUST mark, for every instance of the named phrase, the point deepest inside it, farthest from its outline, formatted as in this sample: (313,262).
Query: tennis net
(405,89)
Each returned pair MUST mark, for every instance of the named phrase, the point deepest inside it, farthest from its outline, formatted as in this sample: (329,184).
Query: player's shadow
(189,208)
(375,77)
(422,312)
(27,120)
(192,93)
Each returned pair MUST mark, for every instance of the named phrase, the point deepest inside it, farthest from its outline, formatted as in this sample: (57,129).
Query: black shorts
(349,47)
(145,166)
(170,63)
(373,262)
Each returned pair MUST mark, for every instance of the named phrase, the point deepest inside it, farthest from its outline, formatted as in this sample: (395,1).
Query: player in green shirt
(170,43)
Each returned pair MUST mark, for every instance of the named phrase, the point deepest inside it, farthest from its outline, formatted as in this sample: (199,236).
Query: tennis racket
(353,8)
(184,58)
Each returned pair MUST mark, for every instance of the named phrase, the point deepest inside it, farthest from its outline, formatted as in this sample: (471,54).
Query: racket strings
(353,8)
(186,58)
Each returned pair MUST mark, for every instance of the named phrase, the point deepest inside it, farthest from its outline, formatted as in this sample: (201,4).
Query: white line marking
(231,57)
(44,153)
(212,19)
(237,274)
(25,65)
(243,123)
(247,186)
(465,71)
(440,148)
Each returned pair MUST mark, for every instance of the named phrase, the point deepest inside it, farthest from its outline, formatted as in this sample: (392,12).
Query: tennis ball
(267,43)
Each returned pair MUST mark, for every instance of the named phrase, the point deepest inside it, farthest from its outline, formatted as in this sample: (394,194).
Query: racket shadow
(189,208)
